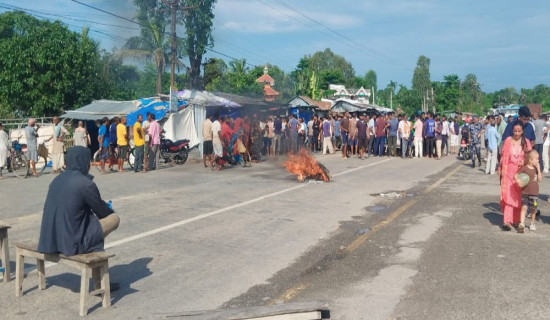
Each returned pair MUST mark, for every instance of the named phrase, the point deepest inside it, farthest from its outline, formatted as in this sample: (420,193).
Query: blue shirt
(528,131)
(429,126)
(278,126)
(337,125)
(493,136)
(326,129)
(394,125)
(112,134)
(103,132)
(293,124)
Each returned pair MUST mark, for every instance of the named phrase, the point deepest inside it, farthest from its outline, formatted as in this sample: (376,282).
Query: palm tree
(238,75)
(152,45)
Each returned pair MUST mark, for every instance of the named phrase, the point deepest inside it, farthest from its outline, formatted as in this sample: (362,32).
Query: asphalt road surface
(194,239)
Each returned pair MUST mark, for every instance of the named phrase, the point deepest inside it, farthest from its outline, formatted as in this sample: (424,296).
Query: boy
(531,190)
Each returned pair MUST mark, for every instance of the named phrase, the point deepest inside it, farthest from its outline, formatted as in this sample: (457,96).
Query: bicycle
(112,159)
(17,161)
(44,158)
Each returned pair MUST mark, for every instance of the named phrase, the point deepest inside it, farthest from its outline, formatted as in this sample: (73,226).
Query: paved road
(193,239)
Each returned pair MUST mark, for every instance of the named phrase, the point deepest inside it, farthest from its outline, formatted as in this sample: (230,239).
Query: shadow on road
(494,216)
(493,206)
(126,274)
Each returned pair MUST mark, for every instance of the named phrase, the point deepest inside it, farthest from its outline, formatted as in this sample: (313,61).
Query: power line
(64,16)
(146,26)
(110,36)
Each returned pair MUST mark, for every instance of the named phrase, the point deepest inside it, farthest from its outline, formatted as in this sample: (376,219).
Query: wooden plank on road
(290,311)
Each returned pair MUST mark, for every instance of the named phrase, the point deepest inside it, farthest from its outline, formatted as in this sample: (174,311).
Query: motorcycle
(177,151)
(464,152)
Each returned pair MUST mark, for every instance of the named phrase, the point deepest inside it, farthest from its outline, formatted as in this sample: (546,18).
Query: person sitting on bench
(76,220)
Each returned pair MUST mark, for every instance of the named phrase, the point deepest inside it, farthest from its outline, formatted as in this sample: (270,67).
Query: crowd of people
(114,138)
(358,135)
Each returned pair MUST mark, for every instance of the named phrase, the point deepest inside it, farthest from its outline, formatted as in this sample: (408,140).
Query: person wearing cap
(524,115)
(476,131)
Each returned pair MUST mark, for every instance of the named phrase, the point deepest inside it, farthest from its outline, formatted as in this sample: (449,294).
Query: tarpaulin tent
(103,108)
(343,105)
(181,125)
(158,108)
(201,101)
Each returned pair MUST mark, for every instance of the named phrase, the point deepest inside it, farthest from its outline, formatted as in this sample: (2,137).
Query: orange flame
(304,166)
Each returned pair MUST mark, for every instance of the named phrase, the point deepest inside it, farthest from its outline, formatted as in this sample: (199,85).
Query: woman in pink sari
(513,154)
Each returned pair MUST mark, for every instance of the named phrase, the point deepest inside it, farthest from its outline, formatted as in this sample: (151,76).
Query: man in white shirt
(207,136)
(216,140)
(445,135)
(404,130)
(370,128)
(310,133)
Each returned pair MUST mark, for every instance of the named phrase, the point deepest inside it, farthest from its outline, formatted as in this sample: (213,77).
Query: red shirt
(238,124)
(227,132)
(380,127)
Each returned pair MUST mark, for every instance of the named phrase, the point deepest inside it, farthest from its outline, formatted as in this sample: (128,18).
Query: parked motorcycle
(177,151)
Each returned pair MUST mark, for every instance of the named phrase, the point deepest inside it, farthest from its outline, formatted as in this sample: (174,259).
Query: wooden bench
(4,248)
(95,264)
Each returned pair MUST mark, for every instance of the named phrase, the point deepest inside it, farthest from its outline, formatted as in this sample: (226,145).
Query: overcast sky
(505,43)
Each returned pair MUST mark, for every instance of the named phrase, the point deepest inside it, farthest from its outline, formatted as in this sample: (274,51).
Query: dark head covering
(73,207)
(78,159)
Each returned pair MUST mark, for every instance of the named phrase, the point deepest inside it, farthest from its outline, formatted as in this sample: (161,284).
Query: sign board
(173,99)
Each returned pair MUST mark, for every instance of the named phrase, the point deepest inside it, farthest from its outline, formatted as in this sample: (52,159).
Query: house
(269,93)
(307,102)
(362,95)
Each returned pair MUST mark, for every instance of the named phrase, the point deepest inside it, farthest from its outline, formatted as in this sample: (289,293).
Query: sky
(504,43)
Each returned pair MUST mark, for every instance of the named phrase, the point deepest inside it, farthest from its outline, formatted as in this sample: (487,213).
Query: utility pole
(433,101)
(174,6)
(391,100)
(460,98)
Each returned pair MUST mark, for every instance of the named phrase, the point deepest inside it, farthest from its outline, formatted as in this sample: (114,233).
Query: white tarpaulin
(181,125)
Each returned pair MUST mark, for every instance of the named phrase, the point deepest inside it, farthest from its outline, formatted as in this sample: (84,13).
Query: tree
(472,95)
(214,70)
(370,81)
(44,67)
(198,35)
(330,77)
(153,43)
(323,61)
(301,77)
(407,99)
(421,80)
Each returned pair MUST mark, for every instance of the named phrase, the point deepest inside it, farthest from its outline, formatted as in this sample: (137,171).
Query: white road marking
(222,210)
(212,213)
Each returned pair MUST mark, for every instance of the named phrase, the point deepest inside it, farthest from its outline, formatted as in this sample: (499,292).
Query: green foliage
(44,67)
(370,80)
(198,35)
(421,76)
(214,69)
(327,67)
(153,44)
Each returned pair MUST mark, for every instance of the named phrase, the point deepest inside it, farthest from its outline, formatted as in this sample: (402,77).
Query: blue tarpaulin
(159,109)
